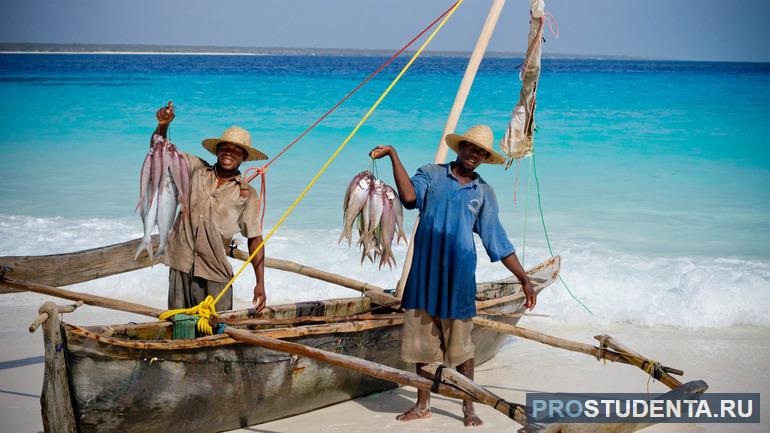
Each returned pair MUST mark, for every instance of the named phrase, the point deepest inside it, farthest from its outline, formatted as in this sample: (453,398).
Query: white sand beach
(729,360)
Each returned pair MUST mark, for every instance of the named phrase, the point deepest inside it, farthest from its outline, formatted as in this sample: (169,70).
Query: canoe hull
(225,387)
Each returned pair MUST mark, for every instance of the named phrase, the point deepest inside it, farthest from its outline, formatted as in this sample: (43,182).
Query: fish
(373,211)
(398,210)
(386,231)
(164,186)
(353,184)
(167,203)
(149,215)
(375,208)
(355,200)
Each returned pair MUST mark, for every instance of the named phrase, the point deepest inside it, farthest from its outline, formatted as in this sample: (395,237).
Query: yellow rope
(207,308)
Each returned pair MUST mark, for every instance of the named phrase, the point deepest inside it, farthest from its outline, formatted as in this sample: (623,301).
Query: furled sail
(518,140)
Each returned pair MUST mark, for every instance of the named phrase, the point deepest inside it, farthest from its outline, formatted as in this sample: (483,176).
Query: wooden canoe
(133,377)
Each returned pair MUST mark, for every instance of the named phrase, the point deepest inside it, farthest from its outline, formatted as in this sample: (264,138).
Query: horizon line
(153,49)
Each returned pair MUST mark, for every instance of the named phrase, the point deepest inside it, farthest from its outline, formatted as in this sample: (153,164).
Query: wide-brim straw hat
(238,136)
(481,136)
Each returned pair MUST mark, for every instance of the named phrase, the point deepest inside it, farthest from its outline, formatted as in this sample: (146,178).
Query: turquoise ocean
(653,175)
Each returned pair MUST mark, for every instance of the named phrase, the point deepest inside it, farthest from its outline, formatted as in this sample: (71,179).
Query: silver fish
(376,210)
(164,181)
(167,206)
(398,209)
(373,211)
(386,231)
(355,200)
(149,215)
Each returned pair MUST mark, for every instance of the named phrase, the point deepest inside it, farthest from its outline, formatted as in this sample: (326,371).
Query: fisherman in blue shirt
(440,293)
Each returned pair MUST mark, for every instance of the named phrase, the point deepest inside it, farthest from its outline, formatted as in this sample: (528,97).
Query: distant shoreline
(18,48)
(124,49)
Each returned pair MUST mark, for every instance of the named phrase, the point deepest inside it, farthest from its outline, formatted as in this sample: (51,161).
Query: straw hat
(238,136)
(481,136)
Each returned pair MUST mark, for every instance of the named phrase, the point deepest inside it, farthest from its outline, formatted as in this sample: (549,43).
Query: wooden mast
(454,114)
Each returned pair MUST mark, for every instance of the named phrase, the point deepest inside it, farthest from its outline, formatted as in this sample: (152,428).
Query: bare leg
(469,413)
(421,409)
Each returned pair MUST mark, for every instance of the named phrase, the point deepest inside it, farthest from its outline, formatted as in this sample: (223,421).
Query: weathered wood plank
(72,268)
(55,400)
(98,301)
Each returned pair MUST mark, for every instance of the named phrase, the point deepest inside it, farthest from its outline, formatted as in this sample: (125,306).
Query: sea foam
(616,287)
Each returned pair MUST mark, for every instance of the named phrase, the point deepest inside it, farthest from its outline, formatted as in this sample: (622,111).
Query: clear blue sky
(671,29)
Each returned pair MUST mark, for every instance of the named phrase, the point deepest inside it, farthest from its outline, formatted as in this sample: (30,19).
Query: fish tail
(159,254)
(144,244)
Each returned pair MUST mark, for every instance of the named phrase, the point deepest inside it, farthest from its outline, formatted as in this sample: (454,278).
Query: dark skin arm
(164,115)
(512,263)
(403,182)
(260,298)
(409,197)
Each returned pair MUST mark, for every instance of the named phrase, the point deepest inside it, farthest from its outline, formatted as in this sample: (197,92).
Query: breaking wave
(617,287)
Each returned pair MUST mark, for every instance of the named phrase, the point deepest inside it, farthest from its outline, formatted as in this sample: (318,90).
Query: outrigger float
(287,359)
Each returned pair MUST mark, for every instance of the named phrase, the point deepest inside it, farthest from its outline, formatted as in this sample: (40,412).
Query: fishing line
(545,230)
(526,212)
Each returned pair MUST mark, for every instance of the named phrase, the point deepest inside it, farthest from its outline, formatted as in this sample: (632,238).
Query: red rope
(551,24)
(262,203)
(320,119)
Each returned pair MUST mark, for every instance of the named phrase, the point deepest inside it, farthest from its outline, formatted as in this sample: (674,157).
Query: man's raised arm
(403,182)
(164,115)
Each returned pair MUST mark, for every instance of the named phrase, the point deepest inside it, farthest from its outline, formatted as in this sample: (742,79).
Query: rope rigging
(207,309)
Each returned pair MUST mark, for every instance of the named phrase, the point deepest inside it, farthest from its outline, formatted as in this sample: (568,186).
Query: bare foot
(416,412)
(470,419)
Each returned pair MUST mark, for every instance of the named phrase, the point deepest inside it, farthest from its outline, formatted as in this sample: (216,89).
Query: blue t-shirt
(442,280)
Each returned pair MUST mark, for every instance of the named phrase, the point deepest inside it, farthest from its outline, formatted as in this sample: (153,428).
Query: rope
(262,171)
(551,20)
(602,349)
(437,378)
(207,308)
(262,201)
(653,368)
(361,84)
(535,43)
(545,230)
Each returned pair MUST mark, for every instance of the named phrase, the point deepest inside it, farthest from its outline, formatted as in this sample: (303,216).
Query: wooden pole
(97,301)
(470,391)
(454,114)
(55,400)
(451,376)
(43,314)
(654,369)
(377,294)
(598,353)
